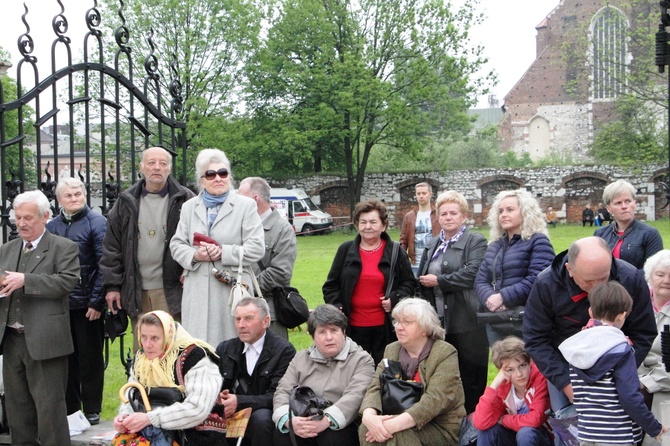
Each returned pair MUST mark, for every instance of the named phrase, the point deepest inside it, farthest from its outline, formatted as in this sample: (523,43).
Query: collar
(317,356)
(36,241)
(265,214)
(163,192)
(258,345)
(580,296)
(73,217)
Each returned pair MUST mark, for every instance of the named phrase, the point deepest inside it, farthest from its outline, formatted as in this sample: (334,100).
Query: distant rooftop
(486,116)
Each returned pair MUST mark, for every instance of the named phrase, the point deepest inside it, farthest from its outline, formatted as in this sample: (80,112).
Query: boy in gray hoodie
(610,407)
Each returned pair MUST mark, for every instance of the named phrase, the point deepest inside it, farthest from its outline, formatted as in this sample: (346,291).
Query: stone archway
(582,188)
(492,186)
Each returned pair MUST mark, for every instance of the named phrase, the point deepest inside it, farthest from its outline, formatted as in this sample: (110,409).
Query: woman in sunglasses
(230,222)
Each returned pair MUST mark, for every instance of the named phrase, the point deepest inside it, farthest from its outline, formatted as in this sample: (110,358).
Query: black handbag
(290,307)
(398,393)
(303,402)
(499,317)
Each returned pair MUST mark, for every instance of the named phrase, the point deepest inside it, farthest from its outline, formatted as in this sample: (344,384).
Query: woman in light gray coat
(232,221)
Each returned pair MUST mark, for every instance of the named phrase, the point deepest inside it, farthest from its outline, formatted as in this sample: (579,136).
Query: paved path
(84,439)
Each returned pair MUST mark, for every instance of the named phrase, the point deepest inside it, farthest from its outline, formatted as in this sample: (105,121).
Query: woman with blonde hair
(447,272)
(519,250)
(630,239)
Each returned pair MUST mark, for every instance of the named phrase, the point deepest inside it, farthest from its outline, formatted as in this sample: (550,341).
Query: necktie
(27,248)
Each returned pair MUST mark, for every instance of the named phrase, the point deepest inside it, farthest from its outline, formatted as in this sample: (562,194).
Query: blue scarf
(213,204)
(213,200)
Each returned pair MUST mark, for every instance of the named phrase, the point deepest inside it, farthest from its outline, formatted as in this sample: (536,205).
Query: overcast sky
(508,33)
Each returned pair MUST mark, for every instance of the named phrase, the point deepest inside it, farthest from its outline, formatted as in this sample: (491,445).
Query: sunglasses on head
(210,174)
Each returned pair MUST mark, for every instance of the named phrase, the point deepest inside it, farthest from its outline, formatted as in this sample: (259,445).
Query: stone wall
(567,189)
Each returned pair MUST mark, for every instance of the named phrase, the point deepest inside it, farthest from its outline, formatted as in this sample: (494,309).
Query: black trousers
(473,363)
(86,367)
(371,339)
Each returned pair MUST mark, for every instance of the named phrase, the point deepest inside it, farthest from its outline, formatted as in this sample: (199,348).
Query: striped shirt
(601,418)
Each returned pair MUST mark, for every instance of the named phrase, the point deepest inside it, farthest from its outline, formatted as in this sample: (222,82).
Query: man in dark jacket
(558,307)
(138,272)
(252,365)
(86,368)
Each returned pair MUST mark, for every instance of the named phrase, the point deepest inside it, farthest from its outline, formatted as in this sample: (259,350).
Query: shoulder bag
(506,319)
(239,291)
(290,307)
(398,393)
(303,402)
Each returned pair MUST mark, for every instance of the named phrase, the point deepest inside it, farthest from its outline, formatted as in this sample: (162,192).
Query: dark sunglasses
(210,174)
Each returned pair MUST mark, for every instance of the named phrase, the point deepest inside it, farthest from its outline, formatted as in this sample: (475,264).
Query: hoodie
(610,407)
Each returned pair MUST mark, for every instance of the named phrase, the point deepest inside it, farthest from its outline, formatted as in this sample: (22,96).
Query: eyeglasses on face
(210,174)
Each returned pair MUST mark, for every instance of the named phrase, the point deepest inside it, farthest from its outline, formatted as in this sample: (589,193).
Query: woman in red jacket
(512,409)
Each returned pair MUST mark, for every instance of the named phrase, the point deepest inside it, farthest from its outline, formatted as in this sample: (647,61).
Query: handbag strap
(394,258)
(240,269)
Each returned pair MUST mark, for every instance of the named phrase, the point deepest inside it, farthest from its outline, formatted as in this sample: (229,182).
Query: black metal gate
(99,120)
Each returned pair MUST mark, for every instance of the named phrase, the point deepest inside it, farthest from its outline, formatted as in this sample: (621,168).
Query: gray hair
(533,221)
(326,314)
(258,302)
(659,260)
(258,186)
(424,313)
(69,182)
(37,197)
(617,188)
(207,157)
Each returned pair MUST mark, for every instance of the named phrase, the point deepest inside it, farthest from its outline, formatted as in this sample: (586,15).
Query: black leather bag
(398,393)
(503,320)
(290,307)
(158,397)
(303,402)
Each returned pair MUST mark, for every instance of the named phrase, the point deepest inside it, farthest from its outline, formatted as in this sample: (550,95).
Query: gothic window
(609,52)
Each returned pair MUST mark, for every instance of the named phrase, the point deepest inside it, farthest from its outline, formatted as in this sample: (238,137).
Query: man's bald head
(155,167)
(589,262)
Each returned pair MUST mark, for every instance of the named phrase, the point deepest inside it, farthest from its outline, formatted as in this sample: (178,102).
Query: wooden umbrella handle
(143,394)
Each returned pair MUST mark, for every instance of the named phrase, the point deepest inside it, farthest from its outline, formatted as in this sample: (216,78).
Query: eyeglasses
(403,322)
(210,174)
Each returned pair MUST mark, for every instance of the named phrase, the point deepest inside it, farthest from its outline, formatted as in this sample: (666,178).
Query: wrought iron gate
(84,95)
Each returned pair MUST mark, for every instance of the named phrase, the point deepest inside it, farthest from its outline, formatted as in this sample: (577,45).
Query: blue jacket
(87,229)
(640,242)
(557,309)
(518,264)
(603,364)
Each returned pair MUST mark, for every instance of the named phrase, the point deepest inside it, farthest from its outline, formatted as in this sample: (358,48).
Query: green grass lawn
(315,255)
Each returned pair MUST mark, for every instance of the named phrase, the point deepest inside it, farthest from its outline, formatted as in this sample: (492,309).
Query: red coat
(494,404)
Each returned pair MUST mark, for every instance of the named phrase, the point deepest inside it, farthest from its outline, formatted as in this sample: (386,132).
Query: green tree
(635,138)
(206,41)
(335,79)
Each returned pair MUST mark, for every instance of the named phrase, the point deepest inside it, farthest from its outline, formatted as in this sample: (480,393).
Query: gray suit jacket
(50,276)
(276,267)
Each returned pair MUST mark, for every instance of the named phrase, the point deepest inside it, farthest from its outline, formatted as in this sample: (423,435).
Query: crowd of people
(559,327)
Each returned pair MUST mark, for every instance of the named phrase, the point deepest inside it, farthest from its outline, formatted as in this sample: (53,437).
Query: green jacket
(442,401)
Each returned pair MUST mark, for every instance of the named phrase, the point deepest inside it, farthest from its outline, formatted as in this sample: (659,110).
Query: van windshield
(304,205)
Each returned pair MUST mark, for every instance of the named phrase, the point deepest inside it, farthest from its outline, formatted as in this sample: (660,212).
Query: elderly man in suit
(41,270)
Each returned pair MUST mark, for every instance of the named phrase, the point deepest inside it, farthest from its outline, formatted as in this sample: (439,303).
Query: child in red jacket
(512,409)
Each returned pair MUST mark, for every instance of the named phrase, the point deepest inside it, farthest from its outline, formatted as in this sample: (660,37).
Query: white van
(296,206)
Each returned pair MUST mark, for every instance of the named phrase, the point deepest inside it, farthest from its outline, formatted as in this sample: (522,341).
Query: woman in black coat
(447,274)
(359,277)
